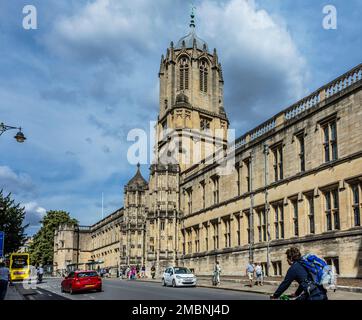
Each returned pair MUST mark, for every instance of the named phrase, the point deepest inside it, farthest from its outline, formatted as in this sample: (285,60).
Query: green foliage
(11,222)
(42,248)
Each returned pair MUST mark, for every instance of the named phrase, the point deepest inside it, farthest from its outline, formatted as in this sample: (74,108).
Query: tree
(11,222)
(42,248)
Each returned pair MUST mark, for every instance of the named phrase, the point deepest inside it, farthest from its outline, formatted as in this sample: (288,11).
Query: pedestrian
(250,272)
(308,289)
(153,271)
(40,272)
(4,280)
(128,272)
(259,274)
(216,274)
(143,271)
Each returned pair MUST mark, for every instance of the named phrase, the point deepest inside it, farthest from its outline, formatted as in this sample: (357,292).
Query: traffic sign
(2,237)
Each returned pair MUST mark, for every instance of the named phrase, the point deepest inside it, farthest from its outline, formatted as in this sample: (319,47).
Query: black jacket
(299,274)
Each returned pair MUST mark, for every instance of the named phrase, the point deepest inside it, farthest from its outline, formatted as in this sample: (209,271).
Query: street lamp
(19,137)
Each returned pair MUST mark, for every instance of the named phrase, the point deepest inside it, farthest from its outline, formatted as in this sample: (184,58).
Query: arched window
(203,76)
(184,74)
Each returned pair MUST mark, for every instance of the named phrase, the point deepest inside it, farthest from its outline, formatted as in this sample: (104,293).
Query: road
(115,289)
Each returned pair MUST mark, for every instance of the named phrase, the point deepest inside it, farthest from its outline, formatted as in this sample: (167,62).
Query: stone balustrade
(312,101)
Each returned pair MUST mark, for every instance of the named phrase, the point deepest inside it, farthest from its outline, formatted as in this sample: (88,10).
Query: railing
(84,228)
(263,129)
(304,105)
(344,81)
(334,87)
(254,134)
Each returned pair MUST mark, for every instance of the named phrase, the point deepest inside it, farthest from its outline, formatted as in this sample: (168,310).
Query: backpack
(321,273)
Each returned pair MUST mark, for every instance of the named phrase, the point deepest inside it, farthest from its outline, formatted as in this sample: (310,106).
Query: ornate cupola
(191,40)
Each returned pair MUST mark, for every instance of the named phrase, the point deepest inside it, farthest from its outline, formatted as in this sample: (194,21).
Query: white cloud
(263,68)
(107,29)
(15,182)
(34,214)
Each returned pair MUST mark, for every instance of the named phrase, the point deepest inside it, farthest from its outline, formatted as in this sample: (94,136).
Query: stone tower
(133,233)
(192,122)
(191,125)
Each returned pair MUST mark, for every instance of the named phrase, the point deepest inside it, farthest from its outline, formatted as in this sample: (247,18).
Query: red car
(81,281)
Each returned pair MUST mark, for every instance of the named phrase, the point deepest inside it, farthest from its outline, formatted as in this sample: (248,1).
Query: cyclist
(307,290)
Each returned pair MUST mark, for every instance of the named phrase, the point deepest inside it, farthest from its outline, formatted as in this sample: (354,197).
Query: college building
(295,179)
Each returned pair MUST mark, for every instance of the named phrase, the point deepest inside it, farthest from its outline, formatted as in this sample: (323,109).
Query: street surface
(115,289)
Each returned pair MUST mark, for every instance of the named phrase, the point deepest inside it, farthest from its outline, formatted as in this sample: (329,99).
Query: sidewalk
(13,294)
(267,289)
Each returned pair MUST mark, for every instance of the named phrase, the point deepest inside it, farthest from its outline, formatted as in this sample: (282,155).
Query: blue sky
(88,75)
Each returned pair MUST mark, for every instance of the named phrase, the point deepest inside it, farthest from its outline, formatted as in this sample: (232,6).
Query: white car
(178,276)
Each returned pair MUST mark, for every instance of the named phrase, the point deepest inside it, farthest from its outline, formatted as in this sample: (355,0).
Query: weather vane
(192,22)
(193,8)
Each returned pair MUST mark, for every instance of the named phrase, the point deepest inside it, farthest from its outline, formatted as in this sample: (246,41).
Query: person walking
(133,273)
(128,273)
(4,280)
(250,272)
(216,274)
(259,274)
(153,271)
(143,271)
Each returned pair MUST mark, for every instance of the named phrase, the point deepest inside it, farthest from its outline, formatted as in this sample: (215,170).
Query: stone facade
(295,180)
(83,247)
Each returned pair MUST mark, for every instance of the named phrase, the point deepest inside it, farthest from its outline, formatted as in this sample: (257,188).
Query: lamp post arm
(4,128)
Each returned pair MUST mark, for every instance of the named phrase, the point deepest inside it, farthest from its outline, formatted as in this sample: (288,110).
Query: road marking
(38,291)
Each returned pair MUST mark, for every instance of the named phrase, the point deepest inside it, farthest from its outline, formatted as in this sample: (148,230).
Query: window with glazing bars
(184,74)
(262,225)
(203,187)
(203,76)
(189,200)
(295,217)
(278,163)
(301,152)
(332,209)
(330,141)
(310,199)
(356,205)
(279,221)
(227,234)
(215,181)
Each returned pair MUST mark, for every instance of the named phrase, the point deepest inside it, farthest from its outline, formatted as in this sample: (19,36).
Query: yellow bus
(19,266)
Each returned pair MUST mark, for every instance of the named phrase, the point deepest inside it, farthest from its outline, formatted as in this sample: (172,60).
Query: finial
(192,21)
(171,44)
